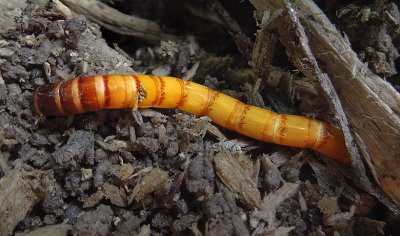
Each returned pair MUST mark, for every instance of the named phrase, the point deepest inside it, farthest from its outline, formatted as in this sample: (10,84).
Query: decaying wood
(149,183)
(104,193)
(267,211)
(366,106)
(372,105)
(116,195)
(236,178)
(20,189)
(119,22)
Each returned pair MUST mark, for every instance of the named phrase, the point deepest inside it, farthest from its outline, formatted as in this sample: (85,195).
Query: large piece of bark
(366,107)
(371,104)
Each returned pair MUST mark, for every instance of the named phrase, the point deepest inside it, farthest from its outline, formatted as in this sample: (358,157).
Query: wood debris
(161,171)
(149,183)
(237,179)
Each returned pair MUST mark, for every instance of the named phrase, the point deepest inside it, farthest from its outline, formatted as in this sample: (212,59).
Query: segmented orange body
(123,91)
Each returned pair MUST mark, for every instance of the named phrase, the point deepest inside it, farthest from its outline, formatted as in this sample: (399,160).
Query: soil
(162,172)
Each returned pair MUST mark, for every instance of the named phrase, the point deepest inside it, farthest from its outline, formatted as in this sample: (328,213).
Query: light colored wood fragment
(149,183)
(237,179)
(94,199)
(266,214)
(127,170)
(116,195)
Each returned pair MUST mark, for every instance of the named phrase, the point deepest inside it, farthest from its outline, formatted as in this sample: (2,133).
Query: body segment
(124,91)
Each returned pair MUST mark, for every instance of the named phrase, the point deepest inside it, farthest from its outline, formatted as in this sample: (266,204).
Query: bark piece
(375,116)
(360,99)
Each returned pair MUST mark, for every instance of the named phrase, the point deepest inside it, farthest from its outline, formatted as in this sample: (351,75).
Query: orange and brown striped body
(122,91)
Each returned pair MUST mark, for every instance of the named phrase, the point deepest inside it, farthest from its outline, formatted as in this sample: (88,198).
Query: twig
(118,22)
(243,43)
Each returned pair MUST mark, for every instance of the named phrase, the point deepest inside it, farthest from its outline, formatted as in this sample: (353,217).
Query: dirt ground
(163,172)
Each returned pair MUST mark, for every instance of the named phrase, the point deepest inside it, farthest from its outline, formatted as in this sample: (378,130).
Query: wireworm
(139,91)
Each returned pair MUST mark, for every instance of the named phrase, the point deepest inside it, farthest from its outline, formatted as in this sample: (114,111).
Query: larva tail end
(345,159)
(35,103)
(333,145)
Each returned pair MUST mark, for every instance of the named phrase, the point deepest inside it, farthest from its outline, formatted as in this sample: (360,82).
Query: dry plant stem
(123,91)
(118,22)
(371,105)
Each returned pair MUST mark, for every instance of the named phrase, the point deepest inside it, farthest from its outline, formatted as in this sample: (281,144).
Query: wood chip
(273,178)
(270,203)
(237,179)
(94,199)
(127,170)
(149,183)
(86,174)
(116,195)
